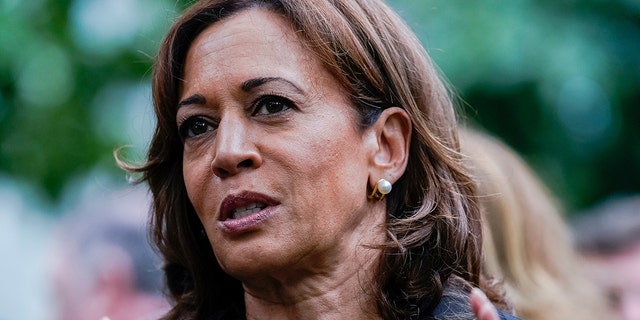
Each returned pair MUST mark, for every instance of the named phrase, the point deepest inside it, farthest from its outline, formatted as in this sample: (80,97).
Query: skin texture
(291,138)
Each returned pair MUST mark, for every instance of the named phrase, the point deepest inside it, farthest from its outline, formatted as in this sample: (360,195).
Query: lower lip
(248,223)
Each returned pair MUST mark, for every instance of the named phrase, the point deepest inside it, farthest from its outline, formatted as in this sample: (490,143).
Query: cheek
(318,159)
(334,170)
(331,141)
(195,172)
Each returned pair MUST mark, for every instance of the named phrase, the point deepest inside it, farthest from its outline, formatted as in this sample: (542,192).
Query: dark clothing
(451,308)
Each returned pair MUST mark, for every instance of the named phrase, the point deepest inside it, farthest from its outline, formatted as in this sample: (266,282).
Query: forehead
(254,40)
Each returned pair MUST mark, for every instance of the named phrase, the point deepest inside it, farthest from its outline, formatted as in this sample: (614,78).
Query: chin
(248,272)
(242,262)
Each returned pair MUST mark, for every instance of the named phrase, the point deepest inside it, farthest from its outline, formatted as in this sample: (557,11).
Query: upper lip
(235,201)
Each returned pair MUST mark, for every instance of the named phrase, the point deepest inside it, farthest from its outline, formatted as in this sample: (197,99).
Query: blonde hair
(527,243)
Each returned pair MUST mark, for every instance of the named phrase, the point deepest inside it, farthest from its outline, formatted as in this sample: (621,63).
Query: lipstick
(243,212)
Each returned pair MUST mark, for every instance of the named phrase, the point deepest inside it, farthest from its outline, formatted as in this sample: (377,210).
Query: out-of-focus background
(558,80)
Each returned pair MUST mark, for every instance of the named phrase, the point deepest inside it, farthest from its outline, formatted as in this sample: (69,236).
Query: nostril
(248,163)
(225,172)
(222,173)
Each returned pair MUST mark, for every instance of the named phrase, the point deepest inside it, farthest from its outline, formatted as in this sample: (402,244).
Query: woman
(526,242)
(282,127)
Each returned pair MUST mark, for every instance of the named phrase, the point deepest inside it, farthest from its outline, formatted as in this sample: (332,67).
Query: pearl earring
(381,188)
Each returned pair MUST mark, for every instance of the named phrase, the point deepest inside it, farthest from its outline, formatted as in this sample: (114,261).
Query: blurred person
(527,243)
(103,264)
(608,238)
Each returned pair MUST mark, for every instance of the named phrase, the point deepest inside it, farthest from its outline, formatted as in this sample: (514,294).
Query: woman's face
(274,163)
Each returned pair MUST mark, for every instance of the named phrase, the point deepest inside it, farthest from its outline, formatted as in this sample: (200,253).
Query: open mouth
(247,210)
(244,204)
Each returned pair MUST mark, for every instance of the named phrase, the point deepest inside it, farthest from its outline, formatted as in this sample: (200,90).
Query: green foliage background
(557,80)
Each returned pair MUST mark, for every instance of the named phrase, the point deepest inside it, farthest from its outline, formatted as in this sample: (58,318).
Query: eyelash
(260,102)
(185,129)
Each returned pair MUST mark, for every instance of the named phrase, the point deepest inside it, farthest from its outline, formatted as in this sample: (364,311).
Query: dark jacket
(454,308)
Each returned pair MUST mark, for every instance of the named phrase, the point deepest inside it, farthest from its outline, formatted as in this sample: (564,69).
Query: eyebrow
(256,82)
(194,99)
(246,86)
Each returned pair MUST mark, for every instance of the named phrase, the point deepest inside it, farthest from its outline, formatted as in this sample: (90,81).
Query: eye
(269,105)
(195,126)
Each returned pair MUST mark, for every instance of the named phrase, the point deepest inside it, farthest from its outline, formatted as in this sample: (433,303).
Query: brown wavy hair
(433,222)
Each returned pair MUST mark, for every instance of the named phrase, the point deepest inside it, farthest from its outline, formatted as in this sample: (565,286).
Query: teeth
(247,210)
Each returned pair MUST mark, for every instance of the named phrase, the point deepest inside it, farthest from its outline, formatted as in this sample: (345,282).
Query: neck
(337,304)
(342,288)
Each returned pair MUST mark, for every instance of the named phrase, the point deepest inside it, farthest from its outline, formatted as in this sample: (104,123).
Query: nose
(235,150)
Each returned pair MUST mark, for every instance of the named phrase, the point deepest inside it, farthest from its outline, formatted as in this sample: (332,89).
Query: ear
(392,133)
